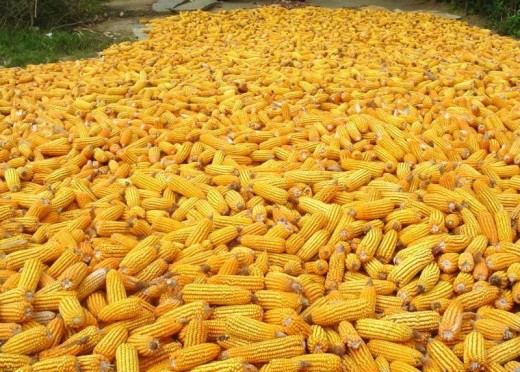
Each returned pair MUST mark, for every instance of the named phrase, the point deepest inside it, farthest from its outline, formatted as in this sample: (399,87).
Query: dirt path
(124,16)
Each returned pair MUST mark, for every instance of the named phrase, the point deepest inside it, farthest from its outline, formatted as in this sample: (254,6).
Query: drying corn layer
(305,190)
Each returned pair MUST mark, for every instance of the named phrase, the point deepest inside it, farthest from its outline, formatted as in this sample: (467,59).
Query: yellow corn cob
(444,356)
(95,302)
(317,342)
(261,243)
(127,358)
(252,283)
(269,299)
(507,318)
(311,247)
(264,351)
(229,365)
(143,344)
(71,311)
(395,352)
(419,320)
(383,287)
(192,356)
(410,267)
(216,294)
(504,352)
(362,358)
(269,192)
(62,363)
(251,329)
(252,311)
(11,362)
(31,273)
(115,289)
(7,330)
(28,342)
(451,322)
(196,332)
(478,297)
(12,179)
(159,358)
(369,244)
(336,344)
(475,353)
(383,330)
(121,310)
(335,312)
(110,341)
(428,277)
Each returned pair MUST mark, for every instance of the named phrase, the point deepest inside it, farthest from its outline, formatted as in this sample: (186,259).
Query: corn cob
(264,351)
(193,356)
(383,330)
(126,358)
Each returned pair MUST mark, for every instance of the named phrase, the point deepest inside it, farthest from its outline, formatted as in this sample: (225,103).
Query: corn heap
(304,190)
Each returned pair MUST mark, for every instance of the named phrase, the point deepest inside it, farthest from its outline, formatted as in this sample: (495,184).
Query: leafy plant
(502,15)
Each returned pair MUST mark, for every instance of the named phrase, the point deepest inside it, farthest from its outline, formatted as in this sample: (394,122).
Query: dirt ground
(125,16)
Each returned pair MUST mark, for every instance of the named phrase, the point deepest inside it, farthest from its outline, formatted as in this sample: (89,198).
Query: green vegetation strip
(31,46)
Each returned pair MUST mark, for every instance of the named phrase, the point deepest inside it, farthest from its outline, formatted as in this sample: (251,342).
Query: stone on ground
(166,5)
(196,5)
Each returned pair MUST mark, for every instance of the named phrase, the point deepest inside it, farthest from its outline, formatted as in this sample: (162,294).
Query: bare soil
(123,16)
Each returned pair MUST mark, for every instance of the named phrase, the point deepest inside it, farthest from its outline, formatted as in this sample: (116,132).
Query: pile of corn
(305,190)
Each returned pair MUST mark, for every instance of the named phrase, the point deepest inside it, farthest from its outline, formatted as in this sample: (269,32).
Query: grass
(31,46)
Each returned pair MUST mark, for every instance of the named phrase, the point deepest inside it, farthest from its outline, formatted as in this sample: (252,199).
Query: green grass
(30,46)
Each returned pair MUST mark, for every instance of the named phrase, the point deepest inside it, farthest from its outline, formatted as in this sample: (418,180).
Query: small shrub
(502,15)
(509,26)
